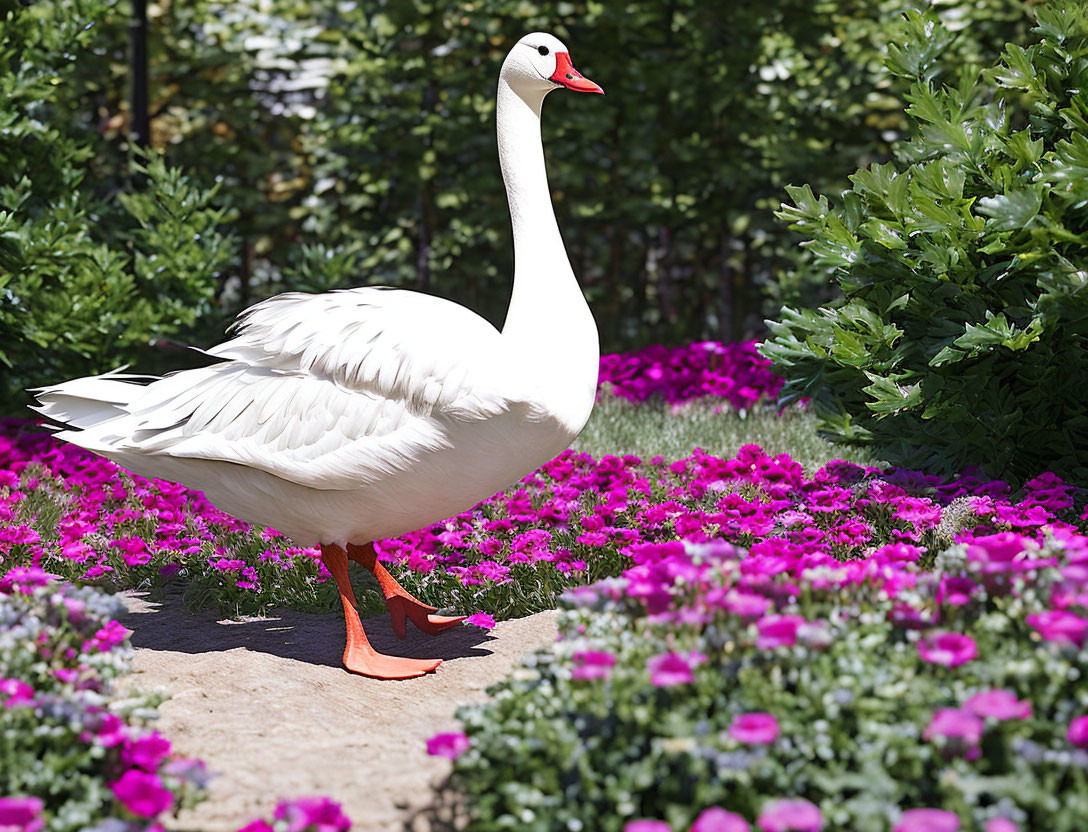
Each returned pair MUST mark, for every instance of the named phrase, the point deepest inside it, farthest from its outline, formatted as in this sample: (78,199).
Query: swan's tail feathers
(86,402)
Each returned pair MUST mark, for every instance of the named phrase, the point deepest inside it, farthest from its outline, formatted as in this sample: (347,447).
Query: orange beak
(571,78)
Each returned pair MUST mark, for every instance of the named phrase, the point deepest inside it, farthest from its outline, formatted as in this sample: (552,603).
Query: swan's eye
(543,50)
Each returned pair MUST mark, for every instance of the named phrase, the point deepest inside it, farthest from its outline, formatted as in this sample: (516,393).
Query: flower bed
(711,688)
(736,373)
(74,753)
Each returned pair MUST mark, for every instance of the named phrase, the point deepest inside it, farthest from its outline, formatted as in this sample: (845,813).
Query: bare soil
(265,703)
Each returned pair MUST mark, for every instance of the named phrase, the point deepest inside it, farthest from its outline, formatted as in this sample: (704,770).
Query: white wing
(330,391)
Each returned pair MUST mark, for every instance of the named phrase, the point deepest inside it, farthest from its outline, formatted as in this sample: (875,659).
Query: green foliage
(964,314)
(88,279)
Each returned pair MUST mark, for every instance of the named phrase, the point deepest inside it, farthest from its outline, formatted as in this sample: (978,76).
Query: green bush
(960,337)
(89,275)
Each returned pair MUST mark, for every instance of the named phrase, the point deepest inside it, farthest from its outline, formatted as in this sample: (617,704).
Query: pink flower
(927,820)
(1060,626)
(319,814)
(592,664)
(754,729)
(142,794)
(451,745)
(959,731)
(716,819)
(108,637)
(999,704)
(948,649)
(1078,732)
(21,814)
(259,825)
(791,816)
(778,631)
(15,692)
(672,669)
(145,752)
(482,620)
(646,826)
(1001,825)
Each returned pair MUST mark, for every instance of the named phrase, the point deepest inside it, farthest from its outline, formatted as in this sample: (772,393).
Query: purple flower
(143,794)
(948,649)
(958,730)
(451,745)
(312,814)
(646,826)
(672,669)
(1078,732)
(754,728)
(1060,626)
(999,704)
(592,664)
(146,752)
(927,820)
(716,819)
(791,816)
(259,825)
(15,692)
(482,620)
(21,814)
(778,631)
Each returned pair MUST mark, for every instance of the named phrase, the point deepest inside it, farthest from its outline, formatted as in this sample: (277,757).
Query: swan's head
(541,62)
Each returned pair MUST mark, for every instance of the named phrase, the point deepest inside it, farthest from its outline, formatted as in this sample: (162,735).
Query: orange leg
(398,600)
(359,656)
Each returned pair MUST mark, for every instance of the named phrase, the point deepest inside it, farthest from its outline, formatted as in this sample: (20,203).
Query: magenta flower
(143,794)
(927,820)
(146,752)
(998,704)
(259,825)
(15,692)
(646,826)
(482,620)
(716,819)
(791,816)
(948,649)
(108,637)
(778,631)
(451,745)
(959,732)
(21,814)
(672,669)
(754,728)
(592,664)
(1001,825)
(312,814)
(1078,732)
(1060,626)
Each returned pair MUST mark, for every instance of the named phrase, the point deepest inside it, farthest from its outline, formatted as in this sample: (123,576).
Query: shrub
(861,696)
(87,280)
(960,338)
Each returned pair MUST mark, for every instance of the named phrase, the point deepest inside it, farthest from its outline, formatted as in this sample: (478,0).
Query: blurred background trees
(309,145)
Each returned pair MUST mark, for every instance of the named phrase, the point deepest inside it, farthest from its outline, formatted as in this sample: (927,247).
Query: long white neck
(548,311)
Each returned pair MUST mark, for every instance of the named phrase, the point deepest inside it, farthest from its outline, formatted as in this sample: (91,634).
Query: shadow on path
(303,637)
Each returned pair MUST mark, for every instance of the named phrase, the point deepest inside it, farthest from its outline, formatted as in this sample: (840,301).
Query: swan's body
(350,416)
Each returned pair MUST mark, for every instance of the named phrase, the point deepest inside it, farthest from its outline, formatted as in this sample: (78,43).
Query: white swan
(360,414)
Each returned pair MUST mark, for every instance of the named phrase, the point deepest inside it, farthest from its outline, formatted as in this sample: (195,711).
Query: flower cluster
(74,750)
(898,689)
(736,373)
